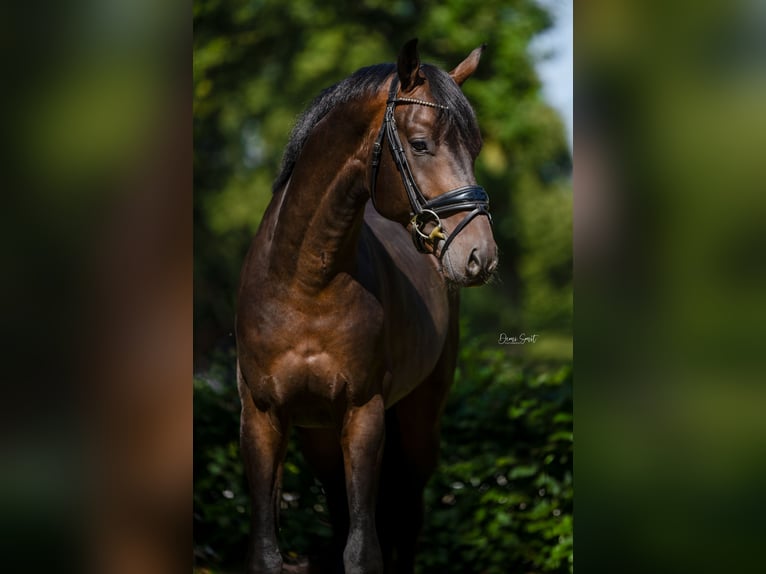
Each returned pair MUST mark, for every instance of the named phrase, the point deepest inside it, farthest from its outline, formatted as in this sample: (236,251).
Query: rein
(424,212)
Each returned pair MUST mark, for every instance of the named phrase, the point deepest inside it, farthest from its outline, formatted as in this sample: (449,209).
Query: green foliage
(221,513)
(500,501)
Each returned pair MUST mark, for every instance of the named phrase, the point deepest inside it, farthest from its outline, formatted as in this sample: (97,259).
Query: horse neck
(322,207)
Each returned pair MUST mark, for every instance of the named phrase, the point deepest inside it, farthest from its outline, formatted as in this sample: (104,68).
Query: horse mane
(460,121)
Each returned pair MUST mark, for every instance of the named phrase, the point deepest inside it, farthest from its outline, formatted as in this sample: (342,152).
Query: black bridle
(425,222)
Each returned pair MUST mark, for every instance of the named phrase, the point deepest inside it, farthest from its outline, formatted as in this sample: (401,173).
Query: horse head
(426,178)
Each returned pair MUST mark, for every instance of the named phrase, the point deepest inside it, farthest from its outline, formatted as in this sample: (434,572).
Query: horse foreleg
(263,442)
(410,458)
(321,449)
(362,442)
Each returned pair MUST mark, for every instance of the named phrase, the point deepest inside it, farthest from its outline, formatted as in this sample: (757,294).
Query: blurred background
(502,498)
(670,230)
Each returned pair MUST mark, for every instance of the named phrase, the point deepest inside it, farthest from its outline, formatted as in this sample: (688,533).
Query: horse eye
(419,146)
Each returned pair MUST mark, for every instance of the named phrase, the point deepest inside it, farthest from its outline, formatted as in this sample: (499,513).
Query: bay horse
(347,316)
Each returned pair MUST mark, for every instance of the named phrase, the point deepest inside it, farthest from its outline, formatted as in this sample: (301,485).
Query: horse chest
(307,355)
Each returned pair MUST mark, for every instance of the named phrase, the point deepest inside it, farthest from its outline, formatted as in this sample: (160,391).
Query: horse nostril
(492,266)
(473,267)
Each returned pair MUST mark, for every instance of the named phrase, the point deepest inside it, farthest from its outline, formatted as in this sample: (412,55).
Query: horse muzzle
(472,258)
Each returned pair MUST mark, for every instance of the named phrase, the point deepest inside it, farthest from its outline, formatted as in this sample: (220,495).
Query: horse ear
(408,66)
(468,66)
